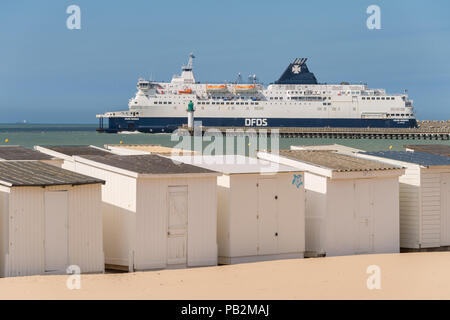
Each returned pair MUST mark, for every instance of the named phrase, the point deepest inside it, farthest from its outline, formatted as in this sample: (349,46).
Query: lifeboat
(216,88)
(185,91)
(245,88)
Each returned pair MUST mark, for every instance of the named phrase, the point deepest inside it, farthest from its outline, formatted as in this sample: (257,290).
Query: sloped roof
(78,150)
(441,149)
(335,161)
(37,173)
(235,164)
(21,153)
(421,158)
(147,164)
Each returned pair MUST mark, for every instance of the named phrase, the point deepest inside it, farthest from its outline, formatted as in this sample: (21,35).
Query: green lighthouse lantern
(190,106)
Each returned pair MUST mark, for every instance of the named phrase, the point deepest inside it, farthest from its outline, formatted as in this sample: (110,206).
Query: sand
(403,276)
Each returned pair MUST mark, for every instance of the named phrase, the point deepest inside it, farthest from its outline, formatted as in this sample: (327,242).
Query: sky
(51,74)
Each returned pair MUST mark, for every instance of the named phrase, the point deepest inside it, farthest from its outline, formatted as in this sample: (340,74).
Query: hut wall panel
(152,221)
(85,225)
(118,210)
(315,213)
(410,210)
(223,215)
(431,208)
(4,215)
(386,218)
(243,211)
(26,232)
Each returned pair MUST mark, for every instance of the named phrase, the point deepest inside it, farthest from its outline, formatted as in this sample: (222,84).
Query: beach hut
(440,149)
(50,218)
(156,214)
(22,153)
(261,208)
(352,204)
(424,198)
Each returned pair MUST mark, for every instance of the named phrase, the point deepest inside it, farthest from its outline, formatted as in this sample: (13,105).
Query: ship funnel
(297,73)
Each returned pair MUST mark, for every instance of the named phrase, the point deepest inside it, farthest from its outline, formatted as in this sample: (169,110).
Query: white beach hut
(22,153)
(352,204)
(261,208)
(424,198)
(156,214)
(50,218)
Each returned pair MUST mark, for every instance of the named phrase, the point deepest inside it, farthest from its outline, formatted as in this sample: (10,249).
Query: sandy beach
(403,276)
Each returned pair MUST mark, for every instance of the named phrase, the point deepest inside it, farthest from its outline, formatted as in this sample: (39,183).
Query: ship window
(392,98)
(363,98)
(213,103)
(382,98)
(246,103)
(373,98)
(221,103)
(165,102)
(227,103)
(276,98)
(378,98)
(329,103)
(170,102)
(257,103)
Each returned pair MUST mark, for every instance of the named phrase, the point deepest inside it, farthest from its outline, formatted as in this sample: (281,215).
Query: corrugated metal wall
(26,229)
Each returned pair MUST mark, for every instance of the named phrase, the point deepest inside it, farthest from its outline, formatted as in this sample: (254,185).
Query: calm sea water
(29,135)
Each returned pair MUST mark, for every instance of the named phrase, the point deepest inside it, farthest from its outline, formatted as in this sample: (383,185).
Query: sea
(30,135)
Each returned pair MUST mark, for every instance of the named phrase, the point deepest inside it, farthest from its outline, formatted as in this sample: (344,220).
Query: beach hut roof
(440,149)
(21,153)
(79,150)
(421,158)
(336,161)
(145,164)
(37,173)
(234,164)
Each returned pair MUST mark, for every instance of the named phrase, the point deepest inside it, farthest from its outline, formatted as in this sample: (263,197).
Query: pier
(427,130)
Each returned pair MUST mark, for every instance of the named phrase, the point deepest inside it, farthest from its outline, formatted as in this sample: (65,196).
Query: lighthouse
(190,110)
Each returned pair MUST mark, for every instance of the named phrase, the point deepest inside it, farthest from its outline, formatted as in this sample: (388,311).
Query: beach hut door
(267,217)
(56,240)
(177,226)
(445,209)
(363,215)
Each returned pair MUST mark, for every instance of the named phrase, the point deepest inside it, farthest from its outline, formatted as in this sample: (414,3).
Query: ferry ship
(296,99)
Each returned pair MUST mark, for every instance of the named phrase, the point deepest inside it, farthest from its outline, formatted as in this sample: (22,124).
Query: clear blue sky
(50,74)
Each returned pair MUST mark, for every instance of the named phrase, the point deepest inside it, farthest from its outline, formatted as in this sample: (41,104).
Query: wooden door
(177,226)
